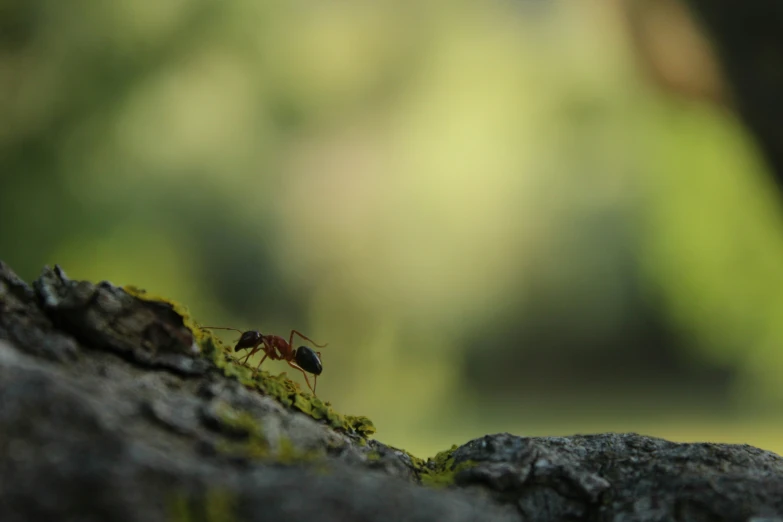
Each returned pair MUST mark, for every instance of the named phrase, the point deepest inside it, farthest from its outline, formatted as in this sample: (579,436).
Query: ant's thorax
(277,342)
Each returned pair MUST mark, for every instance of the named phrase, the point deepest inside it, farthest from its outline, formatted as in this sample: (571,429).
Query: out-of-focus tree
(716,228)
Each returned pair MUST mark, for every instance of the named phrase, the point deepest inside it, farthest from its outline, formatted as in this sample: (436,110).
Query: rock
(624,477)
(114,406)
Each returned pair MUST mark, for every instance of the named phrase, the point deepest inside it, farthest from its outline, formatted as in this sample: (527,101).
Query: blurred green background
(487,209)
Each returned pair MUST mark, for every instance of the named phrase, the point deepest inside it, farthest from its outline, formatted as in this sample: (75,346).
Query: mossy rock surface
(116,406)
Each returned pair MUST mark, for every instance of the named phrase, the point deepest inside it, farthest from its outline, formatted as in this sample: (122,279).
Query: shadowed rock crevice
(114,406)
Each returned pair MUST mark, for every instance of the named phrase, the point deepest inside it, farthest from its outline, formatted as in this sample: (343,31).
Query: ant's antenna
(219,328)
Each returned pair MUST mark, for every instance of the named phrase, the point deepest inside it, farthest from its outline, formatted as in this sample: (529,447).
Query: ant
(304,359)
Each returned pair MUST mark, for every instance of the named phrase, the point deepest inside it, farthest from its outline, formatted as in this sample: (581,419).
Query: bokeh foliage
(491,217)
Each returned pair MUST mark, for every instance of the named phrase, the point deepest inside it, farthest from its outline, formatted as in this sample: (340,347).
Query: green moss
(254,446)
(220,505)
(178,308)
(361,425)
(280,387)
(216,505)
(240,421)
(418,464)
(440,470)
(288,393)
(178,508)
(287,453)
(373,456)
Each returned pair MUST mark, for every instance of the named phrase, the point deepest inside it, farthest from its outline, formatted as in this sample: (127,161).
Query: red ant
(304,359)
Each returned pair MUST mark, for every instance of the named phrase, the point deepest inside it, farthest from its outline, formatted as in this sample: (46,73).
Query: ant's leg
(252,352)
(249,354)
(291,340)
(259,364)
(292,365)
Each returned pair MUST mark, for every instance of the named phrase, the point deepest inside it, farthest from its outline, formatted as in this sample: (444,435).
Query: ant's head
(308,359)
(249,339)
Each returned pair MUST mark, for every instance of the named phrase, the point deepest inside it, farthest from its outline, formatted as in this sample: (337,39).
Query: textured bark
(110,411)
